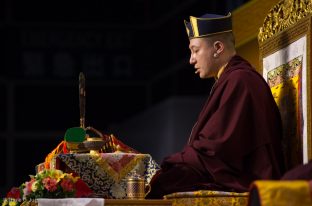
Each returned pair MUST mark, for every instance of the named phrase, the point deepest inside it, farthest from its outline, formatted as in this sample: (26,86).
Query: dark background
(134,55)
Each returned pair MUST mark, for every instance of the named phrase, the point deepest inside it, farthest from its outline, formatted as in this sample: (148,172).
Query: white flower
(25,193)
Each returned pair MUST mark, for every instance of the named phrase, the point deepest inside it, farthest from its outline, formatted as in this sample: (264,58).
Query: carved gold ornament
(283,15)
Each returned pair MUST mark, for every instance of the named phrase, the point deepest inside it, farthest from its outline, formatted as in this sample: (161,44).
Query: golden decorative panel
(283,15)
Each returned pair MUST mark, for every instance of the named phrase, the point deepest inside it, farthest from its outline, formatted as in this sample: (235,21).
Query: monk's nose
(192,60)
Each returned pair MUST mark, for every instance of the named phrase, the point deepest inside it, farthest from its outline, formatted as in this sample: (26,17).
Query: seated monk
(237,137)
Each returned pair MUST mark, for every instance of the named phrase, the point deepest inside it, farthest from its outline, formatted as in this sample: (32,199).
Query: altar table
(113,202)
(106,173)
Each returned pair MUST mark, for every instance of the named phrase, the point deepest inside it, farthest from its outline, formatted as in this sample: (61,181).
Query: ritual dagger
(82,99)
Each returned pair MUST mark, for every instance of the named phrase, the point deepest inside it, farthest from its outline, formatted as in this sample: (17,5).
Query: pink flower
(67,185)
(50,184)
(28,186)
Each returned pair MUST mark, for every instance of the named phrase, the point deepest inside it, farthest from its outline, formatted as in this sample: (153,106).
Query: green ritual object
(75,134)
(78,140)
(74,138)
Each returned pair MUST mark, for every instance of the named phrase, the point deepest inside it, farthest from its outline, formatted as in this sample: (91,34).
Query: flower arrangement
(51,183)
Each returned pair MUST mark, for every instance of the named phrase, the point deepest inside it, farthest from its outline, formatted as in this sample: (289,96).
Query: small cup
(136,187)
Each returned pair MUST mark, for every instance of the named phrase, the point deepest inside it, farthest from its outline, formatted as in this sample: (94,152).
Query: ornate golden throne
(285,62)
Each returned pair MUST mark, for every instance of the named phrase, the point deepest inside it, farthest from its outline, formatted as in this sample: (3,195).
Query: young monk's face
(202,58)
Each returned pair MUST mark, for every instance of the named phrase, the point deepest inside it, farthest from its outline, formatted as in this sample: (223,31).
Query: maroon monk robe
(236,139)
(300,172)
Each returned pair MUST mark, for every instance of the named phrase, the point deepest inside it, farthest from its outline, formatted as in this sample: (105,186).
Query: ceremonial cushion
(207,197)
(273,192)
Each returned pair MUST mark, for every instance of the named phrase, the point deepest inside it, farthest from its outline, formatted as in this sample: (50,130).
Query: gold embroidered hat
(208,24)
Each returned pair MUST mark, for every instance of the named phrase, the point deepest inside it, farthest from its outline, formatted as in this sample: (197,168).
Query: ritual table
(106,173)
(102,202)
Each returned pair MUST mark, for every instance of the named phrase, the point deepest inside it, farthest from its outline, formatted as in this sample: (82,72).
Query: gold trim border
(281,16)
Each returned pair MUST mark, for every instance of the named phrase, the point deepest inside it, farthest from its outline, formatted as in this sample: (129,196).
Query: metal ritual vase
(136,187)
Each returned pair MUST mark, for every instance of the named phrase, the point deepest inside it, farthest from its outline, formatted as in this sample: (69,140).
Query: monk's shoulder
(244,76)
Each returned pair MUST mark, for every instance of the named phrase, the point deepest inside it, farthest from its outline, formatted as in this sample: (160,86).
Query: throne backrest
(284,46)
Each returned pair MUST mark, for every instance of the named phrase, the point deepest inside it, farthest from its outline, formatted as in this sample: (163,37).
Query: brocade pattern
(106,173)
(207,197)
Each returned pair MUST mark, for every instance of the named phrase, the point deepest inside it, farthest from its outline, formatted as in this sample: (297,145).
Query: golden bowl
(76,147)
(94,143)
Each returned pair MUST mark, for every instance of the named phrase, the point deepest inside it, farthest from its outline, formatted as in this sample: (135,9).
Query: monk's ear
(218,46)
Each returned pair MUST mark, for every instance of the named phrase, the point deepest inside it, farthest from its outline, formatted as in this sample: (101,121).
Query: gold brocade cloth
(106,173)
(208,197)
(281,193)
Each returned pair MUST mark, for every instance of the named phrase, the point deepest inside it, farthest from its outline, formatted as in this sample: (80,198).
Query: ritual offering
(94,144)
(136,186)
(103,165)
(74,138)
(77,139)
